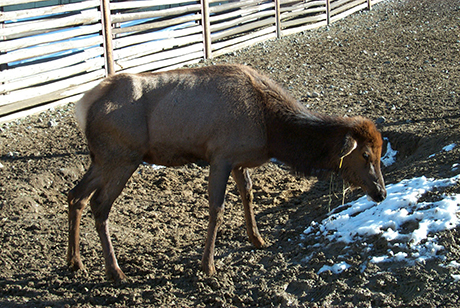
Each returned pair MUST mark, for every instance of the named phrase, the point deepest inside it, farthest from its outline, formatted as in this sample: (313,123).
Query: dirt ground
(398,64)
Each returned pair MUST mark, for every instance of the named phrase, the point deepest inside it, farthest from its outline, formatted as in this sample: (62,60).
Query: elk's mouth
(378,194)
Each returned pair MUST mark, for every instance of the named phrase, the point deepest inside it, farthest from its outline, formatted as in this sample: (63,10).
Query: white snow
(155,167)
(336,268)
(455,167)
(447,148)
(453,264)
(390,156)
(357,220)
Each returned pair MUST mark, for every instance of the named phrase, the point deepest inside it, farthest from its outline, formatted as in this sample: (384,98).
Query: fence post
(369,5)
(107,35)
(328,12)
(206,24)
(278,18)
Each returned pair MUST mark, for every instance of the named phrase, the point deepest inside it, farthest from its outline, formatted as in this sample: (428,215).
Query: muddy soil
(398,64)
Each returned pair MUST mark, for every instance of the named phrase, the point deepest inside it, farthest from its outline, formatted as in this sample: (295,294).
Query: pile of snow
(363,218)
(390,156)
(336,268)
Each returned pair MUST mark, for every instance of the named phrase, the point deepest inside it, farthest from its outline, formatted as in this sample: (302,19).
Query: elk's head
(360,159)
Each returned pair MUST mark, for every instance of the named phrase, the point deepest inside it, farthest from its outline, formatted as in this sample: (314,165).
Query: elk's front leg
(244,184)
(218,177)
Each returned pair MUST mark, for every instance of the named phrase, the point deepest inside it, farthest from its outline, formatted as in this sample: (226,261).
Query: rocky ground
(398,64)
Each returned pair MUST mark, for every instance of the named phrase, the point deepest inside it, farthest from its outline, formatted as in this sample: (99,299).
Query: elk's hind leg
(244,184)
(114,178)
(78,198)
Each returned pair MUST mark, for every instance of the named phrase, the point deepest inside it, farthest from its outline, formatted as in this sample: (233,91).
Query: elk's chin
(377,197)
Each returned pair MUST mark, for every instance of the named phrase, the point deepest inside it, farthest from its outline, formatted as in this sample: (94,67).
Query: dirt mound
(397,64)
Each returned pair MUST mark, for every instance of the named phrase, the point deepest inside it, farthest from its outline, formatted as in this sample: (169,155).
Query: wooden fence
(51,54)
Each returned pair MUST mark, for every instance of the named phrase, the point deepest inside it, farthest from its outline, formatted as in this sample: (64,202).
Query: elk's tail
(83,105)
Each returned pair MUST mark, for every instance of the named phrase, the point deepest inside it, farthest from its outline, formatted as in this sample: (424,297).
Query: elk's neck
(310,143)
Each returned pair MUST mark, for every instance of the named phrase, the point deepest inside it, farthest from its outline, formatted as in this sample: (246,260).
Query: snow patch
(357,220)
(390,156)
(336,268)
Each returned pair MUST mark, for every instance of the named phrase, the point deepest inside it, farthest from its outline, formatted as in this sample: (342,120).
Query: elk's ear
(349,144)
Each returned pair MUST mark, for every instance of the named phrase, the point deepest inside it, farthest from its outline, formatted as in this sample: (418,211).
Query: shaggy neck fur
(308,142)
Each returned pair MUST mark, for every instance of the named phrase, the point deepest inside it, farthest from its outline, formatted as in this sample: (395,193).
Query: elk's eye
(366,156)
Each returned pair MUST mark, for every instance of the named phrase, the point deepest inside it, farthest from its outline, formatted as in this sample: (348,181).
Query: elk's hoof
(258,242)
(75,264)
(115,275)
(208,269)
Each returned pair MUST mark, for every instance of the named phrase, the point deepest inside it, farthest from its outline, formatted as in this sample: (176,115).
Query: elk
(228,115)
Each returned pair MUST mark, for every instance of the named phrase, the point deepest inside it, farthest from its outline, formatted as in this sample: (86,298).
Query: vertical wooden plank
(328,12)
(3,66)
(277,18)
(369,4)
(107,34)
(206,24)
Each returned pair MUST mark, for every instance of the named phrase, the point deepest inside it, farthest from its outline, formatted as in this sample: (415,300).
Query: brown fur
(231,116)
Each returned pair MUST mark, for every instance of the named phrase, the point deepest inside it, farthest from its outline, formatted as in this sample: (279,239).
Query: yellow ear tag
(341,161)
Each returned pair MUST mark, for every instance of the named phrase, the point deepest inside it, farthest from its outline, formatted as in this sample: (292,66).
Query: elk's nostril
(380,196)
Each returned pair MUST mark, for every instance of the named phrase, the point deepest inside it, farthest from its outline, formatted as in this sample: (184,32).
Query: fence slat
(157,24)
(57,90)
(188,58)
(154,36)
(144,3)
(85,17)
(155,14)
(124,64)
(49,38)
(311,11)
(41,108)
(271,31)
(302,8)
(22,54)
(243,28)
(21,71)
(231,25)
(156,46)
(249,9)
(237,44)
(13,15)
(306,28)
(56,74)
(343,5)
(14,2)
(233,5)
(305,20)
(350,11)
